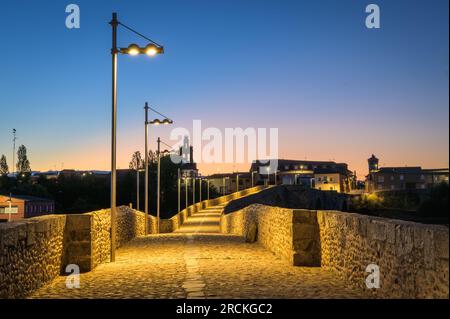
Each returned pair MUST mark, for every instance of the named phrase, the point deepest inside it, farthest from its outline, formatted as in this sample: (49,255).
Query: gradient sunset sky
(334,89)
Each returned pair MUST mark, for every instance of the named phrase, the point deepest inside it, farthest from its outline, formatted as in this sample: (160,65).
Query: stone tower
(373,163)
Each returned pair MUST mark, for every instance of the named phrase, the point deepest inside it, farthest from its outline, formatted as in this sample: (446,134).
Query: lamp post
(253,180)
(186,182)
(179,190)
(237,182)
(14,151)
(158,187)
(207,188)
(164,121)
(138,170)
(193,189)
(225,185)
(146,107)
(10,207)
(151,50)
(200,190)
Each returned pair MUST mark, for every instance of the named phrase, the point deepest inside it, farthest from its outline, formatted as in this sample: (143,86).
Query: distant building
(402,178)
(230,182)
(322,175)
(47,175)
(188,166)
(25,207)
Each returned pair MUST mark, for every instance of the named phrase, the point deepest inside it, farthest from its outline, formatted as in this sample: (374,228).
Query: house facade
(402,178)
(323,175)
(18,207)
(230,182)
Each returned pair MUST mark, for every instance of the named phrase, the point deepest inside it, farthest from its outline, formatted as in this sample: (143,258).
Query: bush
(437,204)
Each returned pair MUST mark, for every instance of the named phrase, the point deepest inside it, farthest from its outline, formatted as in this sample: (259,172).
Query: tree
(4,169)
(136,161)
(23,164)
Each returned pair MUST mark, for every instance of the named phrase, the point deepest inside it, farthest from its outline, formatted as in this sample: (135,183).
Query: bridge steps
(206,221)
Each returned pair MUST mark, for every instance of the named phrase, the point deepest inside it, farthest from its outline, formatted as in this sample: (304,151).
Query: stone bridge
(258,251)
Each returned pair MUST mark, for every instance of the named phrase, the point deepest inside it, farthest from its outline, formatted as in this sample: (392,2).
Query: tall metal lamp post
(151,49)
(179,189)
(253,179)
(186,186)
(138,170)
(200,189)
(164,121)
(158,197)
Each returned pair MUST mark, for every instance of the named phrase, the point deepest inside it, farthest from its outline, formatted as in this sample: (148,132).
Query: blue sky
(335,89)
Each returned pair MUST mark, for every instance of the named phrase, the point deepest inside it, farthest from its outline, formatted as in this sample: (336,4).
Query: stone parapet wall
(290,234)
(172,224)
(88,240)
(31,251)
(36,250)
(413,258)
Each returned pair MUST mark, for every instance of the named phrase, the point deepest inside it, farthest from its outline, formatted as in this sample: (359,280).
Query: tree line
(22,165)
(79,193)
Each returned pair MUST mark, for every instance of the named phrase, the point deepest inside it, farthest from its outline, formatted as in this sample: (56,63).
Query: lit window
(402,177)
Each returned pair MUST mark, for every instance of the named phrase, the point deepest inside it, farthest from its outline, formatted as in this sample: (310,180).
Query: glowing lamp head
(151,50)
(133,49)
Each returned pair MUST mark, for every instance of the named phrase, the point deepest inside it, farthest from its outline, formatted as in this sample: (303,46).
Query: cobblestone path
(199,262)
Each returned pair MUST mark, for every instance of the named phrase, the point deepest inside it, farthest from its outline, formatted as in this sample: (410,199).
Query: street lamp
(132,49)
(193,189)
(138,170)
(225,185)
(158,198)
(179,189)
(253,181)
(237,182)
(200,190)
(186,182)
(166,120)
(10,207)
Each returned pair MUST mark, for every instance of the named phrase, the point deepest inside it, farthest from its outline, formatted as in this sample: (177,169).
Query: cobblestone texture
(199,262)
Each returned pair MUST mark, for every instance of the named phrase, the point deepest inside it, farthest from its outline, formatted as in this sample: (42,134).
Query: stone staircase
(206,221)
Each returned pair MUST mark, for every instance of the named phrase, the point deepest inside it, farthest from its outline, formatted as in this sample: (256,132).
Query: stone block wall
(290,234)
(88,236)
(34,251)
(31,252)
(413,258)
(172,224)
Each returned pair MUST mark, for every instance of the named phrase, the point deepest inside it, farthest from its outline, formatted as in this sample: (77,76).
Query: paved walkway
(199,262)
